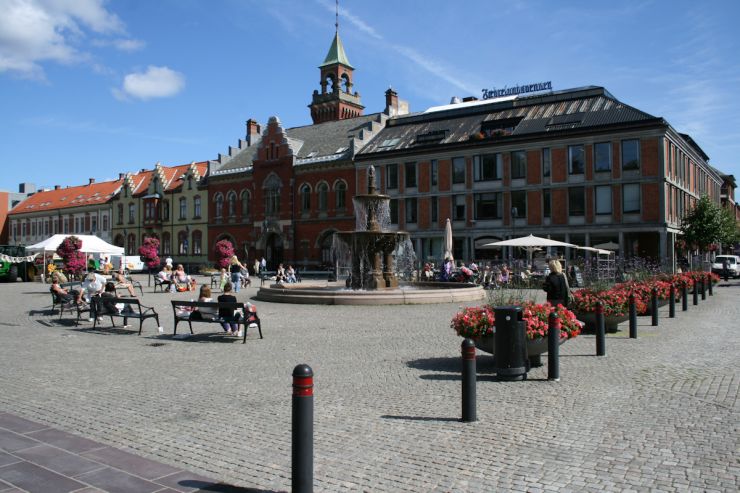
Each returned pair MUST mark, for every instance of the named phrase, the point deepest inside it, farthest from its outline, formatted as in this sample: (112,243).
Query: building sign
(513,91)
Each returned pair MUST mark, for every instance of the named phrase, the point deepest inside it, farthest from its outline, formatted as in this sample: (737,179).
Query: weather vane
(336,22)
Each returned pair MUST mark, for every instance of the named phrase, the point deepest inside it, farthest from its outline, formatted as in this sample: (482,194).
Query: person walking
(556,285)
(236,273)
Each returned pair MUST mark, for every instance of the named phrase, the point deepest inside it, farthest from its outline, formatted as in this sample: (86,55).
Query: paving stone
(58,460)
(35,479)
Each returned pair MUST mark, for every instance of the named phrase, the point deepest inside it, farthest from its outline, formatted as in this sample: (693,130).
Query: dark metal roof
(573,109)
(693,144)
(325,139)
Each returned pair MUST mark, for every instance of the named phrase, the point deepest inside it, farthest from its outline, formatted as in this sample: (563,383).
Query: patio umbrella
(531,243)
(609,245)
(600,251)
(448,240)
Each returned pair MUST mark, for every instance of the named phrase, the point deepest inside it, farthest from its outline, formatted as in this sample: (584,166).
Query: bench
(162,285)
(314,274)
(265,275)
(55,300)
(135,284)
(183,309)
(105,307)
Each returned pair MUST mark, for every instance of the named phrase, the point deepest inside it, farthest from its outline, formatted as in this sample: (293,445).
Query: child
(224,278)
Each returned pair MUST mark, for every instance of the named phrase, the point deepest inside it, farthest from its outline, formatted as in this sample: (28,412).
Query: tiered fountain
(375,255)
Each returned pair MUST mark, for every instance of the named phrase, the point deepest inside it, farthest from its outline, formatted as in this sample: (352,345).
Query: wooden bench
(106,307)
(183,309)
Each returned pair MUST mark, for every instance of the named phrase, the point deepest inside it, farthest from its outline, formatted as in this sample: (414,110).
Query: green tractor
(12,271)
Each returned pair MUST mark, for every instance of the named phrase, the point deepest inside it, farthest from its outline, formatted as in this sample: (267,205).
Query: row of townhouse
(576,165)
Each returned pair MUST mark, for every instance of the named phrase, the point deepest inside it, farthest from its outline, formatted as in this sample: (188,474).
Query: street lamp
(185,245)
(514,214)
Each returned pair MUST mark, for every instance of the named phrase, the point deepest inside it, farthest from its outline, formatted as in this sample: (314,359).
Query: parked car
(718,265)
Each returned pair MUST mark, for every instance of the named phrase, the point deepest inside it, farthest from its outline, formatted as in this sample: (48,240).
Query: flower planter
(611,323)
(535,347)
(649,311)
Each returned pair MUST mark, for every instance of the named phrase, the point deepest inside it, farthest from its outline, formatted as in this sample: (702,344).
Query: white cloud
(155,82)
(36,31)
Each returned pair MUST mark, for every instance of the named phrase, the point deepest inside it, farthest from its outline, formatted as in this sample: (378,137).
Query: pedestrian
(263,265)
(235,268)
(556,285)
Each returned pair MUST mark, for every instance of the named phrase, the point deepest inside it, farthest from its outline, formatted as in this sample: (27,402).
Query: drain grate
(157,344)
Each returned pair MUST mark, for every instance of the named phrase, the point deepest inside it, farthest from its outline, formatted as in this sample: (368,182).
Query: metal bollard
(654,306)
(633,317)
(709,283)
(302,473)
(703,288)
(468,381)
(696,293)
(600,330)
(553,347)
(672,302)
(684,298)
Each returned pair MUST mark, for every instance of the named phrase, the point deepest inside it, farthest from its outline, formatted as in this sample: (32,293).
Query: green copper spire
(336,54)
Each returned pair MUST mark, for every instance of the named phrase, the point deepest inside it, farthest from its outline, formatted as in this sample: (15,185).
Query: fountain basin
(407,294)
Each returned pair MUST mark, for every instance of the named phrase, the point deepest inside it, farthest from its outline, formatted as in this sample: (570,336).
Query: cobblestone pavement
(658,413)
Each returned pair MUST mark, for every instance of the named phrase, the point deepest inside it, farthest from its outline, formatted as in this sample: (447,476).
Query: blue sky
(91,88)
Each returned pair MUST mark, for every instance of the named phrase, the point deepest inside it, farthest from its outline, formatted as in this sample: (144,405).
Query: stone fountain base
(337,294)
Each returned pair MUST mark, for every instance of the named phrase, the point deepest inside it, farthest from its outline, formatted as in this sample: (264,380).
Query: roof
(64,198)
(336,54)
(497,119)
(693,144)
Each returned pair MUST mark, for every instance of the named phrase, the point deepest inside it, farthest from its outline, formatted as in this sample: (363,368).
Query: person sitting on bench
(63,294)
(120,279)
(231,328)
(205,312)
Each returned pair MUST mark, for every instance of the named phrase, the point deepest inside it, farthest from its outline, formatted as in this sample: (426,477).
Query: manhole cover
(157,344)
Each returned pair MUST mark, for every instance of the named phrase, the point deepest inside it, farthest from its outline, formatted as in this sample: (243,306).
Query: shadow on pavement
(221,487)
(419,418)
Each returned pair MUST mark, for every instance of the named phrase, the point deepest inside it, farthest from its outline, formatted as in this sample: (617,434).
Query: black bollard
(302,480)
(684,297)
(600,330)
(468,381)
(696,293)
(633,317)
(703,288)
(654,306)
(672,302)
(709,284)
(553,347)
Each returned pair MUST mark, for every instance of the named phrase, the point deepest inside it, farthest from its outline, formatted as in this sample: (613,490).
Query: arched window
(245,205)
(323,193)
(326,243)
(231,204)
(182,243)
(131,213)
(131,248)
(346,85)
(166,244)
(165,210)
(271,187)
(183,208)
(305,198)
(119,240)
(219,201)
(341,194)
(197,243)
(120,213)
(196,207)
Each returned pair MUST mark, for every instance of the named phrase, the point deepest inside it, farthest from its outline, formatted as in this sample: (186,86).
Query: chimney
(57,187)
(27,188)
(253,130)
(121,176)
(391,102)
(91,181)
(468,99)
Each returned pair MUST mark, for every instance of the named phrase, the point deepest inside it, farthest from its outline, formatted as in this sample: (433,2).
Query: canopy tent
(90,244)
(609,245)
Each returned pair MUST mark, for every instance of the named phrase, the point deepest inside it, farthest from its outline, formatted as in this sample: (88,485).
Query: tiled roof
(63,198)
(512,116)
(336,53)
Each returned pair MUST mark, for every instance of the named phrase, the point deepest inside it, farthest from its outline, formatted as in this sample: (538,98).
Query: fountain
(374,255)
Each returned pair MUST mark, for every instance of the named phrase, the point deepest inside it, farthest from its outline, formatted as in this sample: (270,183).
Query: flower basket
(611,322)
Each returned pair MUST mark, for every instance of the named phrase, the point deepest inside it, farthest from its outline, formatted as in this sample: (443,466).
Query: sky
(94,88)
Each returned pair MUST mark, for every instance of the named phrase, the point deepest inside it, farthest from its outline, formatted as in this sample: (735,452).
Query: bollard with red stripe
(302,452)
(553,347)
(600,330)
(469,377)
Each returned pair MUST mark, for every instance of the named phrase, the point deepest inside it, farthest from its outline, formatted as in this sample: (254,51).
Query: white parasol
(448,240)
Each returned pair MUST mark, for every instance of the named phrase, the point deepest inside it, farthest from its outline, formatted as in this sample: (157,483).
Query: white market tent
(90,244)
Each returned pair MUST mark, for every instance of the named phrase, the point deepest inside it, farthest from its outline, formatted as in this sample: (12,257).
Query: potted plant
(614,300)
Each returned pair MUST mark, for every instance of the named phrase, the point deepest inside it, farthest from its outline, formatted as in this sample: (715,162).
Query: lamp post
(185,246)
(514,214)
(125,250)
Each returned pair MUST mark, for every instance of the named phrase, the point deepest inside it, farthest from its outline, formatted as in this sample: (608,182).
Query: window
(272,201)
(33,228)
(602,156)
(576,160)
(105,223)
(434,209)
(183,208)
(165,210)
(323,192)
(197,243)
(93,225)
(546,200)
(576,199)
(305,198)
(231,204)
(196,208)
(340,190)
(411,210)
(120,213)
(46,227)
(391,177)
(166,244)
(131,243)
(149,210)
(182,243)
(131,213)
(219,200)
(488,167)
(458,207)
(393,207)
(434,175)
(519,204)
(409,171)
(546,161)
(245,205)
(518,164)
(458,170)
(631,198)
(631,154)
(604,199)
(488,205)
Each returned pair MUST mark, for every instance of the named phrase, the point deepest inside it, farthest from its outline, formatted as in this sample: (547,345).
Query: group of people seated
(95,285)
(176,280)
(283,275)
(229,324)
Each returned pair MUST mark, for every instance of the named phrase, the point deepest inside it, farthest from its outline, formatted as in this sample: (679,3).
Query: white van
(132,263)
(718,265)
